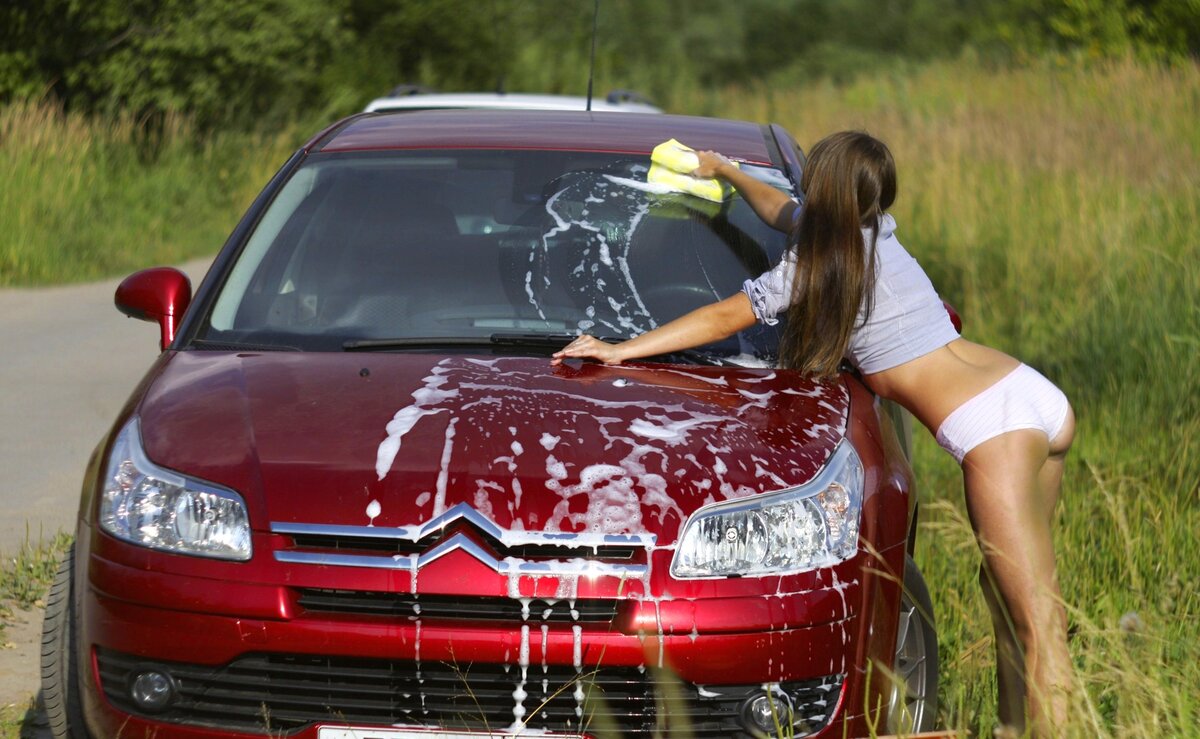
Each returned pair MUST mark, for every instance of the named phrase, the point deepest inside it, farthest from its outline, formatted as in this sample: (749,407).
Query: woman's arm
(704,325)
(775,208)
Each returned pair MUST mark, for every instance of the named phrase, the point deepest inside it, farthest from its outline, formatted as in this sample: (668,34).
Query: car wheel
(913,704)
(60,669)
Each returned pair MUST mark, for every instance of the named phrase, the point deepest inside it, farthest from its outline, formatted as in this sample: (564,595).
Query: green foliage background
(261,62)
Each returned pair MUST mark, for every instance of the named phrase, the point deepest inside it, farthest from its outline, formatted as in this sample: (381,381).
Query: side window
(282,213)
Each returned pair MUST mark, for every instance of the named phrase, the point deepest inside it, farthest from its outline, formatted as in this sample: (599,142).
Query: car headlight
(154,507)
(813,525)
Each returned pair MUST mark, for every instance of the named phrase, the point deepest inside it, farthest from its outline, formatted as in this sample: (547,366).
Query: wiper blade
(238,346)
(414,342)
(554,341)
(531,339)
(517,339)
(693,355)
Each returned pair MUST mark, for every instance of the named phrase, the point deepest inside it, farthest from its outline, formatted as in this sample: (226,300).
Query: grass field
(1057,207)
(85,199)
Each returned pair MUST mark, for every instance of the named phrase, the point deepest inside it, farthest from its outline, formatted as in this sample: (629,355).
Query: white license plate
(338,732)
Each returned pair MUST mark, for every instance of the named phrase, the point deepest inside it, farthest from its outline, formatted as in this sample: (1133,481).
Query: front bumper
(292,676)
(283,649)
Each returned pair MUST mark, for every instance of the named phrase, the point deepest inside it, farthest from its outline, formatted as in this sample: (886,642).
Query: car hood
(396,439)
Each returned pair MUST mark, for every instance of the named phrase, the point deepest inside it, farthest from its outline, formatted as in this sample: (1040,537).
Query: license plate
(339,732)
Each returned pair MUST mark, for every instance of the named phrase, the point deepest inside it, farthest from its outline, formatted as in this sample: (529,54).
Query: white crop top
(907,320)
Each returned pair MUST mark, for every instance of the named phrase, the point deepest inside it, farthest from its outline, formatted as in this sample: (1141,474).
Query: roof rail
(405,90)
(627,96)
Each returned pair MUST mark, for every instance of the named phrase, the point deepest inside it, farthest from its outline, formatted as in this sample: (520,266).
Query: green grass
(25,578)
(1057,207)
(15,719)
(83,199)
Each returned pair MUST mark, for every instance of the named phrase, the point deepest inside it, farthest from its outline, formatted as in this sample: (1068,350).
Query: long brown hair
(848,182)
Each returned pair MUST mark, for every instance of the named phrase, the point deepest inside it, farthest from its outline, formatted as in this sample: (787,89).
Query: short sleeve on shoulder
(771,292)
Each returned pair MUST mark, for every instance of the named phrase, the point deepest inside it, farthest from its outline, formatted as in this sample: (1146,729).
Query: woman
(851,291)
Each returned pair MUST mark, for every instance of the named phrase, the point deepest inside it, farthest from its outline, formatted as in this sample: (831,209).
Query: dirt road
(68,361)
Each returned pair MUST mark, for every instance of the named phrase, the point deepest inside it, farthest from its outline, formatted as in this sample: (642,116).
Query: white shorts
(1022,399)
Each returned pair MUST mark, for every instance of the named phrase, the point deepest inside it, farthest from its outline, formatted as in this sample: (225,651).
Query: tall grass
(1059,210)
(83,198)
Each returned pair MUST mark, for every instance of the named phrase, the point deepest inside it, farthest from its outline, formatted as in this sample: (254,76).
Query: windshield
(467,245)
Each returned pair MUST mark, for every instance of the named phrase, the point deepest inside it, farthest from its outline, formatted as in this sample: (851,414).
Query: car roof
(629,133)
(504,101)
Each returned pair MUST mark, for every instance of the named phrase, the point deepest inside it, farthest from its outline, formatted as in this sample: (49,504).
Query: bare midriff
(933,385)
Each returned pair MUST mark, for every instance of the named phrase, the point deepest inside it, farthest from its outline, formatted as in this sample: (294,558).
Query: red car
(353,497)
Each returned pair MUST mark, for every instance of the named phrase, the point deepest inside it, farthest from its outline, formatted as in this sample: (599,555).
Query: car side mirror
(159,294)
(954,317)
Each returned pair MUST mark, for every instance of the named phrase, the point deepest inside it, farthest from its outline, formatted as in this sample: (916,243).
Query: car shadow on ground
(35,725)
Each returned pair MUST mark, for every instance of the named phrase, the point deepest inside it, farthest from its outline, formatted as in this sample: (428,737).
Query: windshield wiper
(239,346)
(692,355)
(556,341)
(516,339)
(553,341)
(414,342)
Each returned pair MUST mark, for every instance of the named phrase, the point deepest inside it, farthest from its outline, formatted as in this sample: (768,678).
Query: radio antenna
(592,63)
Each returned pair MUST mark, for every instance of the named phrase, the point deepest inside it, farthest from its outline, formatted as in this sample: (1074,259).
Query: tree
(219,60)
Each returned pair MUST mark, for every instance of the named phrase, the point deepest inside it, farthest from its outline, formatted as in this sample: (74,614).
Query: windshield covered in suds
(470,245)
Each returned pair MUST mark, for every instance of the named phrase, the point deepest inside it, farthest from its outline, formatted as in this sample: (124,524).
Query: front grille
(272,693)
(457,607)
(350,544)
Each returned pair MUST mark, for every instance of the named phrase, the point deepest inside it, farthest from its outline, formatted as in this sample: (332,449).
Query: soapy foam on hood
(628,480)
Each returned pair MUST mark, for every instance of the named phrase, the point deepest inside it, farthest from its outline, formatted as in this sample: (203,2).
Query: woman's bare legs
(1012,485)
(1010,658)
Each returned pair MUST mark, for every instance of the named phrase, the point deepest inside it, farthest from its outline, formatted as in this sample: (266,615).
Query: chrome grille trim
(574,547)
(506,566)
(464,512)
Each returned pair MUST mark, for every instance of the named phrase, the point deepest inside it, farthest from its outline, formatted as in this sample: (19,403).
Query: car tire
(60,668)
(913,705)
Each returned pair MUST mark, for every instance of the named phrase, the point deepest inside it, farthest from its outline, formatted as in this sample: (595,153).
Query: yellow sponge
(670,165)
(675,156)
(712,189)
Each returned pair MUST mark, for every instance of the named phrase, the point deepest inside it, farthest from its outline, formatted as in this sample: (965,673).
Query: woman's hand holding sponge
(686,170)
